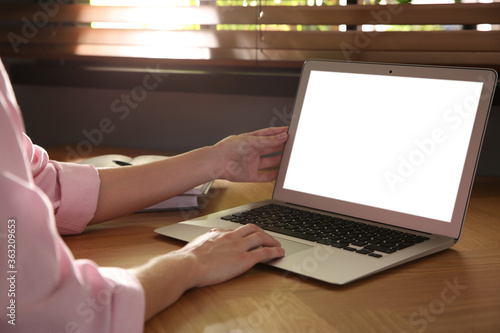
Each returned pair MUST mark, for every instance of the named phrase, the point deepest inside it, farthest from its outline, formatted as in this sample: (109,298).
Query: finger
(246,230)
(255,237)
(263,177)
(263,254)
(261,142)
(269,161)
(270,131)
(260,239)
(264,151)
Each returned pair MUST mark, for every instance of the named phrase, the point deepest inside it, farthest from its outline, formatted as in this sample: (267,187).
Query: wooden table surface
(457,290)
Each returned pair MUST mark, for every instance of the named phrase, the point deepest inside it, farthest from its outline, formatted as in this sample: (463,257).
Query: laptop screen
(391,142)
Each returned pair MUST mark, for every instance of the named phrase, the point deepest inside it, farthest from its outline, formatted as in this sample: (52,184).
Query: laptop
(377,171)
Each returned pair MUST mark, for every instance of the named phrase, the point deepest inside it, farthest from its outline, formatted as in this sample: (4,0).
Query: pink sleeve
(45,289)
(73,189)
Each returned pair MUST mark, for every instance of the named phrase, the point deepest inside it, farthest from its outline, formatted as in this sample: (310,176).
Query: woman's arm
(125,190)
(212,258)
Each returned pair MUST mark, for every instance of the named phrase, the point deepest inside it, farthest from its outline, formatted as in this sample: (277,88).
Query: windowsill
(246,80)
(201,79)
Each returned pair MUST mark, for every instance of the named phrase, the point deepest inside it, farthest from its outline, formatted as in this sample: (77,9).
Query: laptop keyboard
(349,235)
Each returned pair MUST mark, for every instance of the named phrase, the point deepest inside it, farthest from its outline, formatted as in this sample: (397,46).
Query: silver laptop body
(388,145)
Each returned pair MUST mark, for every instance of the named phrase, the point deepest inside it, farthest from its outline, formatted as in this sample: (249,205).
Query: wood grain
(457,290)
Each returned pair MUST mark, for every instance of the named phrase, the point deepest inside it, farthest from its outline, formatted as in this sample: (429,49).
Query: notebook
(377,170)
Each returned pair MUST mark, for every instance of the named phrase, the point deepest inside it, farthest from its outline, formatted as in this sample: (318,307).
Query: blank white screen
(390,142)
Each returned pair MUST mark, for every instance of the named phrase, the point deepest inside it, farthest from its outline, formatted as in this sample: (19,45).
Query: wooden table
(457,290)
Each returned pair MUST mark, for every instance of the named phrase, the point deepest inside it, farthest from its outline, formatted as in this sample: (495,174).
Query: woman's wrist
(217,157)
(165,278)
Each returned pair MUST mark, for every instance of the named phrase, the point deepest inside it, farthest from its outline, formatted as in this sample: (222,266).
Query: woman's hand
(223,254)
(244,156)
(212,258)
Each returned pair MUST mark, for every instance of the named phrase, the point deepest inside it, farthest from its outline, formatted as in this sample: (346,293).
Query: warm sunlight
(205,29)
(157,15)
(153,52)
(144,3)
(165,24)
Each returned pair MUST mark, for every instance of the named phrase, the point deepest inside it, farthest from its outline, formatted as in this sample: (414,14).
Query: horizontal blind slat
(85,35)
(308,15)
(487,59)
(207,15)
(114,52)
(390,41)
(383,14)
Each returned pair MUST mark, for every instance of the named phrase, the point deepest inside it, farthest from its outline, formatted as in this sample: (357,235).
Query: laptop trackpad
(292,247)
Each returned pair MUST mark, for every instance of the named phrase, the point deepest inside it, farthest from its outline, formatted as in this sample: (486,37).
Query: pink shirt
(43,288)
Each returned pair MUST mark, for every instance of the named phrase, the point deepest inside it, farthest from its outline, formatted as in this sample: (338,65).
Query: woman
(47,290)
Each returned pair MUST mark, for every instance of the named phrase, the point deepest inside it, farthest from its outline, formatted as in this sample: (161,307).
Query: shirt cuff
(79,185)
(129,301)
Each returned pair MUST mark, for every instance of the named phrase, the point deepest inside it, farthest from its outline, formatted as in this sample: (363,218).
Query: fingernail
(282,136)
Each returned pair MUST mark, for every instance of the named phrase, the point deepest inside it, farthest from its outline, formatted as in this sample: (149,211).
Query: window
(255,32)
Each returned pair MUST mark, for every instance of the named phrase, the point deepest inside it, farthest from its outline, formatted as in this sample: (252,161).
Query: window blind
(255,33)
